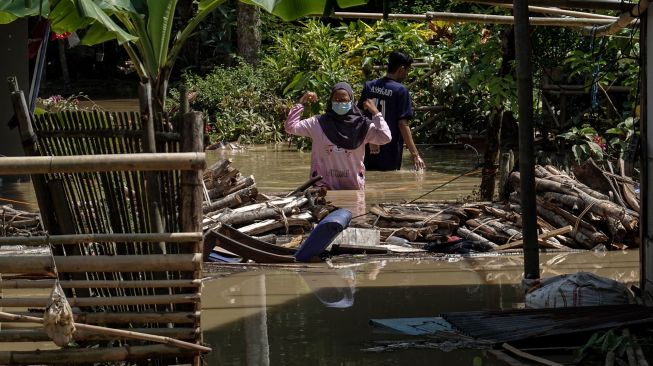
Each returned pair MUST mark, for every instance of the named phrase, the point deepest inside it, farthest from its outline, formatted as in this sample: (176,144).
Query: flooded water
(320,316)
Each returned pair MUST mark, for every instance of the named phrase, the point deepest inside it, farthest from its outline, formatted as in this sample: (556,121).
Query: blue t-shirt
(393,101)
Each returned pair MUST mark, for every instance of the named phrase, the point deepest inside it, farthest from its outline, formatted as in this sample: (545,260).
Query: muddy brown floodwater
(319,315)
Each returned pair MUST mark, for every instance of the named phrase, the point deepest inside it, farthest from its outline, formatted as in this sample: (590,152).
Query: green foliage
(308,58)
(585,143)
(622,135)
(240,103)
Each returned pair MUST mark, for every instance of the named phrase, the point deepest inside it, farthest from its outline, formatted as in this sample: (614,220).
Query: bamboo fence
(118,196)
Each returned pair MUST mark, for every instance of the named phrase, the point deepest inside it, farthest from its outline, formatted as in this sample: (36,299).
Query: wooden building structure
(120,197)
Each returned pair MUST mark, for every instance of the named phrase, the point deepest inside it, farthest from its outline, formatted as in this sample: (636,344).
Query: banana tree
(144,27)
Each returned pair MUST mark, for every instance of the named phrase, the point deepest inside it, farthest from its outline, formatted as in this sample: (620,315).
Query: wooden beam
(101,163)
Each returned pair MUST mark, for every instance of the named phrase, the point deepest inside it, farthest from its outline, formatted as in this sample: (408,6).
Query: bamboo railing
(127,256)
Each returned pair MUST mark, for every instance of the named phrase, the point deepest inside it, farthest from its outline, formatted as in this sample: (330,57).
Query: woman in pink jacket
(339,137)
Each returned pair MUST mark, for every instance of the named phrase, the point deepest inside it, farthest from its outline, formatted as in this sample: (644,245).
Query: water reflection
(302,328)
(334,289)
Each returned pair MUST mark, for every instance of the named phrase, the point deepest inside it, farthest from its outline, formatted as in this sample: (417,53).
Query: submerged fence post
(526,150)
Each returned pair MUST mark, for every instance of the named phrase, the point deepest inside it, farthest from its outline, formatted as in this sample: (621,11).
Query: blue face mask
(341,108)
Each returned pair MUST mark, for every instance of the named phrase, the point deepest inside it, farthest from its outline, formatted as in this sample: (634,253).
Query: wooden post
(526,149)
(30,148)
(192,135)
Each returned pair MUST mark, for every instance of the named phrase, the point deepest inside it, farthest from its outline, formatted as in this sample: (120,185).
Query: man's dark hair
(398,59)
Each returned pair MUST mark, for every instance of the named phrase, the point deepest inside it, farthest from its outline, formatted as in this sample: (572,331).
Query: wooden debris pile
(16,222)
(571,215)
(233,199)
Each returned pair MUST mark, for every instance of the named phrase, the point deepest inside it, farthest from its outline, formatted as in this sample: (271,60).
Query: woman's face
(340,96)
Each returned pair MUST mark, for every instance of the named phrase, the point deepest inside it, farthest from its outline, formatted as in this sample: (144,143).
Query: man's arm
(408,140)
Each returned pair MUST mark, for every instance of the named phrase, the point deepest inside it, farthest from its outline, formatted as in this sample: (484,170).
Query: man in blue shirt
(394,102)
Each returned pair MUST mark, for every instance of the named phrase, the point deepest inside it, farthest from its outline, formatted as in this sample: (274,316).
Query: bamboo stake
(101,238)
(35,302)
(89,355)
(101,163)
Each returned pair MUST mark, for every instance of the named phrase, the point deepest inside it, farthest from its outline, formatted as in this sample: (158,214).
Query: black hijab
(347,131)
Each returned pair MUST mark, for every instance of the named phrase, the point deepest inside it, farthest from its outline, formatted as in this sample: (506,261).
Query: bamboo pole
(101,263)
(101,238)
(556,11)
(101,163)
(49,283)
(42,302)
(548,234)
(625,19)
(134,317)
(480,18)
(582,4)
(39,335)
(90,355)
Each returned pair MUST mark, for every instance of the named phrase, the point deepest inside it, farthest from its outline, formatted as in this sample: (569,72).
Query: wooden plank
(101,163)
(548,234)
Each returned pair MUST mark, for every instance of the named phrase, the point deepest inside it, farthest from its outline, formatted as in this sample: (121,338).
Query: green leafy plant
(622,134)
(585,143)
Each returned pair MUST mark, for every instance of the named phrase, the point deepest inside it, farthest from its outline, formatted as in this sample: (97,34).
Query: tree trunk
(249,32)
(491,157)
(65,75)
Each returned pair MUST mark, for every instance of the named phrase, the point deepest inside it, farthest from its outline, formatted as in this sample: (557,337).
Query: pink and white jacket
(340,168)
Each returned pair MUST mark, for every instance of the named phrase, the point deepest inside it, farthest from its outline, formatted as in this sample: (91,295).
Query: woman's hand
(309,97)
(369,106)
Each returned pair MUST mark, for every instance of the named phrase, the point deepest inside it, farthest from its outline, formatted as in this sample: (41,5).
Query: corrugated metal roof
(519,324)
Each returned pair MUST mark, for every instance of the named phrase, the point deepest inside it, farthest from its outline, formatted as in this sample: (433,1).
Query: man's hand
(419,163)
(374,148)
(370,106)
(308,97)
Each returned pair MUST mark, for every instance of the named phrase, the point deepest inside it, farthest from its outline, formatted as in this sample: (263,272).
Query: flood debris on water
(571,215)
(574,213)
